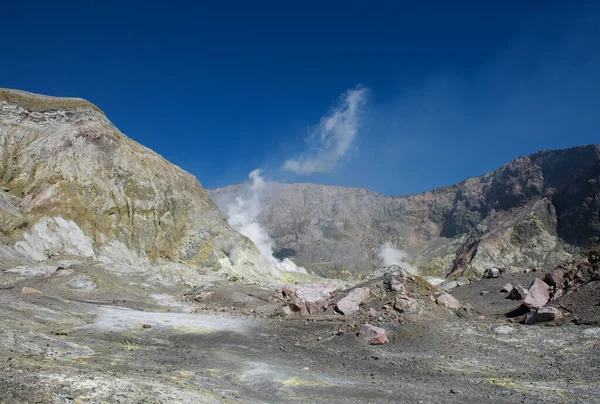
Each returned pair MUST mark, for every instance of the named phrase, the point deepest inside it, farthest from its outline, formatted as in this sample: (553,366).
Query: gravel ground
(62,349)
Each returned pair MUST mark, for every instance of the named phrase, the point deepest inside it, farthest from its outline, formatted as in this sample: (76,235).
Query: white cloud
(331,139)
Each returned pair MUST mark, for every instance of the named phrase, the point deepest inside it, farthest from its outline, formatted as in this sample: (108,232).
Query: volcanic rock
(517,293)
(373,335)
(537,295)
(507,288)
(348,305)
(554,278)
(405,305)
(544,315)
(492,273)
(447,301)
(313,299)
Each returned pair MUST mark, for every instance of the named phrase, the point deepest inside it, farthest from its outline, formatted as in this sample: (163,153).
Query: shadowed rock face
(69,177)
(523,214)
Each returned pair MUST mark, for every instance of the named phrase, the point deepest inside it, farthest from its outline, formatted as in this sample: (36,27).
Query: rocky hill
(72,184)
(532,212)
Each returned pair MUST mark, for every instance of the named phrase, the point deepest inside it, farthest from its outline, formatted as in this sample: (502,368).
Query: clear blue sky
(221,88)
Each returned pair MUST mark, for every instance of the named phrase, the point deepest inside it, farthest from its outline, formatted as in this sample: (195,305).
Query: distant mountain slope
(72,184)
(530,212)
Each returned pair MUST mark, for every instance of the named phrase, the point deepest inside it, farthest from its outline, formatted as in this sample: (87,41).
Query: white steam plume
(242,213)
(331,139)
(389,255)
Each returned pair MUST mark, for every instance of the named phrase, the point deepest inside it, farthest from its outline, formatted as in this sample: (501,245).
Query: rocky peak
(65,168)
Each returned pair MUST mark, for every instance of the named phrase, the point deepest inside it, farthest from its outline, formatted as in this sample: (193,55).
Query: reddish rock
(348,305)
(373,335)
(554,278)
(405,305)
(313,299)
(481,318)
(517,293)
(537,295)
(283,294)
(447,301)
(27,291)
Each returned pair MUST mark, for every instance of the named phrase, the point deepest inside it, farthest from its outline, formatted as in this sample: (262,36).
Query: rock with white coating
(507,288)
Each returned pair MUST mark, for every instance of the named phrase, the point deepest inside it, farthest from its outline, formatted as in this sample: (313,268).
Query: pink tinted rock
(405,305)
(537,295)
(447,301)
(313,299)
(373,335)
(348,305)
(554,278)
(283,293)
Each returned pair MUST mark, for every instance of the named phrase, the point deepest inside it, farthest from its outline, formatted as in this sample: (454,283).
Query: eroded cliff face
(528,213)
(73,184)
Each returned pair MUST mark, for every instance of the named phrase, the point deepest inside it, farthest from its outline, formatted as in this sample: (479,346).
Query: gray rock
(82,282)
(507,288)
(544,315)
(517,293)
(504,330)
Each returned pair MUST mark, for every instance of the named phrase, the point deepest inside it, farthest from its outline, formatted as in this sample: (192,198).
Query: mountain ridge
(526,209)
(73,184)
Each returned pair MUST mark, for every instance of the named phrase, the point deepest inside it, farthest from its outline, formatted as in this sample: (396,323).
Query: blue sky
(450,90)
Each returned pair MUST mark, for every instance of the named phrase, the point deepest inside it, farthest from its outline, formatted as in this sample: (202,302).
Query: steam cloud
(390,255)
(242,213)
(331,139)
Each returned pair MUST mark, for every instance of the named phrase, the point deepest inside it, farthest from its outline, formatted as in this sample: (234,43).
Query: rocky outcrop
(532,212)
(72,184)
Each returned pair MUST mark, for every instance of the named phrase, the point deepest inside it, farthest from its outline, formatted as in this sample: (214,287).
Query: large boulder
(313,299)
(537,295)
(349,304)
